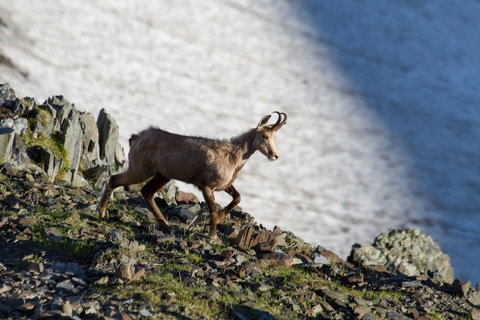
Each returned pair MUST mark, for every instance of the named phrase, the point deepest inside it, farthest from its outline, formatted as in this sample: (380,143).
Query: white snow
(382,100)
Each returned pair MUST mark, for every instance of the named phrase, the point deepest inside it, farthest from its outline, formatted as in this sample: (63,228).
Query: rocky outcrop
(67,144)
(406,251)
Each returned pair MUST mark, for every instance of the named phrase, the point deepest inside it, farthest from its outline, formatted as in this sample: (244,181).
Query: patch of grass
(152,286)
(74,248)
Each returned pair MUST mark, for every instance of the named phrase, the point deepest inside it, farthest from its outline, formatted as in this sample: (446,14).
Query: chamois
(209,164)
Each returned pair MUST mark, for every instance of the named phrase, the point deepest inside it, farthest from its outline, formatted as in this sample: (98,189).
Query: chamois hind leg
(236,200)
(115,181)
(148,191)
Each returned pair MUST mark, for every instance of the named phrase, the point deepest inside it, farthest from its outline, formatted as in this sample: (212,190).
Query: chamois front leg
(236,200)
(210,200)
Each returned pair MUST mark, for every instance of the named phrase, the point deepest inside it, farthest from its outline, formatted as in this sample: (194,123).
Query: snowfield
(382,98)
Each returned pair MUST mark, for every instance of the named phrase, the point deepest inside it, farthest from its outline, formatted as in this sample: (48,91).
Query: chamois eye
(265,137)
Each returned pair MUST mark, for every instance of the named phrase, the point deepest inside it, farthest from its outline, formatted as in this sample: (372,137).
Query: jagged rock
(99,174)
(110,150)
(460,288)
(406,251)
(20,125)
(185,213)
(50,163)
(6,143)
(6,123)
(261,241)
(75,179)
(276,259)
(45,121)
(19,156)
(475,298)
(72,135)
(168,192)
(6,94)
(62,108)
(125,272)
(90,148)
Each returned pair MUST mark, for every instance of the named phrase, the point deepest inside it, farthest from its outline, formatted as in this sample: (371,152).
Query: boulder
(406,251)
(6,142)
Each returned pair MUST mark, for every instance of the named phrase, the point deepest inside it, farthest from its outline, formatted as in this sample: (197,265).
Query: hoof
(102,216)
(165,229)
(215,239)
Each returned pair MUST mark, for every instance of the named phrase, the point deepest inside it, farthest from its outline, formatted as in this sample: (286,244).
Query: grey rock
(66,285)
(6,142)
(67,309)
(7,123)
(145,313)
(411,284)
(165,238)
(145,213)
(45,121)
(20,126)
(60,108)
(99,174)
(50,163)
(79,281)
(76,180)
(6,93)
(260,287)
(394,315)
(16,106)
(183,213)
(406,251)
(90,148)
(52,233)
(108,136)
(125,272)
(460,288)
(369,316)
(168,193)
(72,135)
(116,235)
(475,298)
(317,258)
(70,268)
(19,156)
(29,103)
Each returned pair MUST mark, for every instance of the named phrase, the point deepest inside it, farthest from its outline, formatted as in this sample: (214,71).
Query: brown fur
(210,164)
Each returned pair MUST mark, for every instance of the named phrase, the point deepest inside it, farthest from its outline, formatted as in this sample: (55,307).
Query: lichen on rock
(406,251)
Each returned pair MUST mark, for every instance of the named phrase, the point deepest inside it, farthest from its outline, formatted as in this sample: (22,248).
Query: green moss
(44,117)
(53,142)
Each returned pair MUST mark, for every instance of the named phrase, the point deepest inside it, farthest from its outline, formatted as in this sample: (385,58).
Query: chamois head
(265,136)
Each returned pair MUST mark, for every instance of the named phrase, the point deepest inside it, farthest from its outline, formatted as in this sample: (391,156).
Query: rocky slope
(59,261)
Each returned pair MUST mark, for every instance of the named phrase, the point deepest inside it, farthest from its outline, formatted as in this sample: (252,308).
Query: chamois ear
(263,122)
